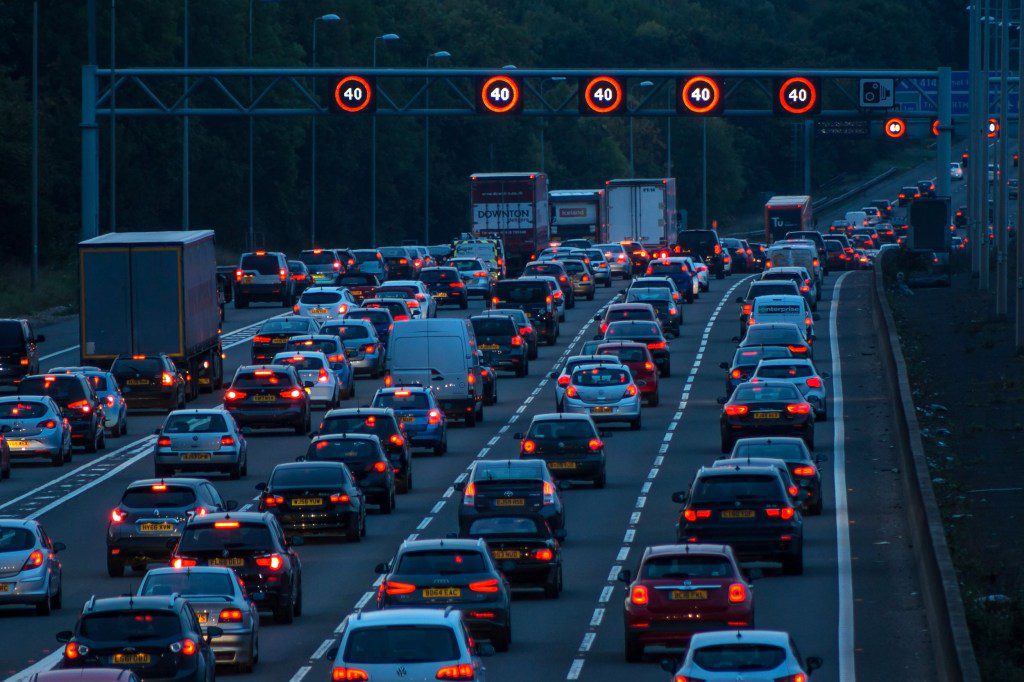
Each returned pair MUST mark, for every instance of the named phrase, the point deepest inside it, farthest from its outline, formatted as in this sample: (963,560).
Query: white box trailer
(640,210)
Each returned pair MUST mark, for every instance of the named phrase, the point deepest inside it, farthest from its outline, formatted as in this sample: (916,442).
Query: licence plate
(406,418)
(138,382)
(196,456)
(349,352)
(510,502)
(163,527)
(561,466)
(507,554)
(318,311)
(229,561)
(264,398)
(246,279)
(201,617)
(5,587)
(490,346)
(738,514)
(440,294)
(18,443)
(307,502)
(688,595)
(279,340)
(131,659)
(601,409)
(767,415)
(441,592)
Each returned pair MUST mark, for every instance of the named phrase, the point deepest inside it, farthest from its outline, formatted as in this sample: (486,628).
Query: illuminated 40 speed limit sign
(700,95)
(355,94)
(797,96)
(499,95)
(601,95)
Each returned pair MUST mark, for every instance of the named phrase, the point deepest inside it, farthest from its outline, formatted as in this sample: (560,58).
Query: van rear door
(436,361)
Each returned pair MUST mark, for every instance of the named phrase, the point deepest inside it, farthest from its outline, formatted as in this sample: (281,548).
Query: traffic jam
(381,367)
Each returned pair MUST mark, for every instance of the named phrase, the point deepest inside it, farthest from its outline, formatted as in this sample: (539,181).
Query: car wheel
(601,479)
(793,565)
(689,295)
(58,599)
(809,437)
(719,275)
(362,526)
(816,508)
(124,426)
(236,471)
(726,443)
(653,400)
(387,505)
(635,424)
(561,318)
(101,438)
(245,463)
(553,588)
(45,607)
(665,371)
(608,283)
(241,302)
(70,451)
(463,304)
(353,534)
(471,418)
(115,569)
(532,353)
(300,428)
(93,443)
(523,369)
(285,614)
(58,458)
(504,639)
(441,447)
(634,650)
(590,296)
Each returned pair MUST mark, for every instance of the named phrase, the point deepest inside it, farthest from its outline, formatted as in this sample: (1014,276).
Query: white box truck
(640,210)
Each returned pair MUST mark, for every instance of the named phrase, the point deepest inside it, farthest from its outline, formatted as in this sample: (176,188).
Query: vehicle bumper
(35,448)
(583,288)
(426,435)
(314,522)
(233,647)
(367,363)
(770,545)
(322,393)
(620,411)
(505,359)
(136,398)
(140,549)
(575,468)
(25,590)
(255,292)
(263,417)
(12,375)
(521,574)
(453,296)
(677,630)
(458,408)
(218,460)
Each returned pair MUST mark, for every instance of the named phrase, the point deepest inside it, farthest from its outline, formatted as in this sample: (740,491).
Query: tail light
(272,561)
(549,493)
(495,300)
(768,263)
(230,616)
(396,440)
(166,379)
(401,318)
(736,410)
(808,321)
(73,650)
(523,331)
(469,495)
(322,377)
(630,391)
(571,391)
(564,380)
(434,417)
(471,378)
(380,467)
(673,311)
(234,395)
(585,278)
(48,424)
(595,444)
(814,382)
(403,261)
(272,501)
(784,513)
(696,514)
(238,275)
(282,274)
(558,294)
(543,555)
(34,560)
(456,285)
(388,380)
(343,308)
(336,265)
(621,257)
(798,677)
(182,562)
(649,366)
(604,327)
(529,447)
(736,374)
(109,401)
(638,595)
(797,349)
(481,273)
(815,262)
(462,671)
(292,393)
(798,408)
(391,588)
(547,299)
(657,345)
(163,442)
(737,593)
(563,278)
(804,471)
(81,405)
(299,277)
(261,339)
(487,586)
(413,305)
(185,647)
(727,260)
(336,358)
(340,498)
(750,252)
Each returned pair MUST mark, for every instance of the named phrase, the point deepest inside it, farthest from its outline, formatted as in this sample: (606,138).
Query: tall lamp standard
(387,37)
(440,54)
(331,19)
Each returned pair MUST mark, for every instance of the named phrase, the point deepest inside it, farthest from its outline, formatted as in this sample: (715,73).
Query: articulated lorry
(512,207)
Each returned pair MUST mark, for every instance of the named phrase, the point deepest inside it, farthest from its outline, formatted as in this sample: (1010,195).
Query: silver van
(796,256)
(439,353)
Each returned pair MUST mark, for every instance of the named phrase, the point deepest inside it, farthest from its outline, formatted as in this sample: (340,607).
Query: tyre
(69,452)
(463,304)
(561,318)
(471,419)
(726,443)
(689,295)
(590,296)
(816,508)
(245,464)
(101,438)
(354,532)
(719,275)
(58,458)
(635,424)
(503,640)
(441,447)
(241,302)
(532,353)
(793,565)
(124,426)
(608,282)
(553,588)
(301,429)
(235,472)
(285,614)
(601,480)
(653,400)
(523,369)
(401,485)
(387,505)
(115,569)
(45,607)
(570,303)
(93,443)
(58,599)
(809,438)
(634,650)
(821,416)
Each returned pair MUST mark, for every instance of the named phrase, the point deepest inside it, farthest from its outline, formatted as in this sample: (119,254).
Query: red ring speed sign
(895,127)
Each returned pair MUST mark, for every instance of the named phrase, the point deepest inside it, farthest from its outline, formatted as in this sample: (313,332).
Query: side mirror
(680,497)
(625,576)
(230,505)
(597,318)
(300,458)
(5,428)
(296,541)
(381,568)
(64,636)
(816,317)
(560,535)
(735,339)
(739,299)
(518,436)
(485,650)
(606,434)
(260,486)
(722,400)
(813,663)
(213,632)
(156,431)
(460,486)
(723,365)
(40,338)
(552,375)
(308,384)
(59,547)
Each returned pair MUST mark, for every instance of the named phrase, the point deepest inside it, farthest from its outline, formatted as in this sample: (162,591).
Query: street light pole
(632,171)
(984,273)
(440,54)
(1001,187)
(331,18)
(113,115)
(250,236)
(1018,337)
(544,121)
(704,174)
(184,136)
(668,147)
(373,150)
(35,145)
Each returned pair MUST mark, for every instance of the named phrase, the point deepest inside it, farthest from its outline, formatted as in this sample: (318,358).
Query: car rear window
(771,289)
(494,326)
(301,362)
(397,292)
(401,644)
(545,269)
(316,297)
(791,276)
(313,258)
(130,367)
(16,539)
(441,562)
(294,475)
(348,331)
(187,583)
(657,267)
(521,292)
(561,429)
(766,393)
(625,354)
(158,496)
(767,336)
(697,240)
(686,566)
(60,388)
(440,275)
(786,451)
(735,488)
(22,410)
(364,256)
(289,325)
(740,658)
(358,280)
(262,378)
(784,371)
(619,314)
(504,525)
(342,449)
(372,316)
(656,295)
(208,538)
(129,626)
(12,337)
(395,307)
(633,329)
(195,423)
(380,426)
(574,267)
(508,471)
(752,356)
(265,265)
(402,400)
(600,376)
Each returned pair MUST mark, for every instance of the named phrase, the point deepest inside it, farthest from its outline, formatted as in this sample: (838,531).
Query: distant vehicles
(577,213)
(784,214)
(956,171)
(263,276)
(19,352)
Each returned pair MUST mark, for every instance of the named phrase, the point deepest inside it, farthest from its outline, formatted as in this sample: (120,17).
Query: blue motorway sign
(909,99)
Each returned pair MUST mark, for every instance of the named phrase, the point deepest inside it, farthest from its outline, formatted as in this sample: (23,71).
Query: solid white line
(60,352)
(847,670)
(42,665)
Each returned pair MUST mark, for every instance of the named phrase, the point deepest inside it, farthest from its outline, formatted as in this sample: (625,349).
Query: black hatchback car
(451,573)
(747,508)
(803,467)
(315,498)
(446,286)
(496,485)
(269,396)
(533,297)
(745,361)
(569,444)
(254,545)
(273,335)
(557,270)
(524,547)
(19,353)
(499,340)
(150,381)
(78,402)
(364,456)
(766,408)
(703,243)
(156,637)
(380,422)
(643,332)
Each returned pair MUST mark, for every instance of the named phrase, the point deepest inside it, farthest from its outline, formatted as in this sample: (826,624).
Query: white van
(857,218)
(796,255)
(783,308)
(439,353)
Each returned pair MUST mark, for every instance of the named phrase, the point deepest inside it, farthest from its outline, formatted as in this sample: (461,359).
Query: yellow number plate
(138,382)
(5,587)
(279,340)
(229,561)
(440,294)
(201,617)
(511,502)
(561,466)
(307,502)
(507,554)
(490,346)
(264,398)
(131,659)
(601,409)
(767,415)
(442,592)
(738,514)
(197,456)
(246,279)
(406,418)
(688,595)
(163,527)
(17,443)
(318,311)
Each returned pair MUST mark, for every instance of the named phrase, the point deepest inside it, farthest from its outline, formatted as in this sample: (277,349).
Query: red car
(680,590)
(637,356)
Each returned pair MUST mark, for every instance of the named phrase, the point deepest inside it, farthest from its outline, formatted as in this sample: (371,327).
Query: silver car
(557,295)
(364,350)
(314,369)
(325,303)
(772,654)
(30,572)
(35,428)
(802,374)
(606,392)
(563,377)
(583,282)
(423,304)
(618,259)
(115,409)
(475,274)
(600,266)
(200,440)
(218,598)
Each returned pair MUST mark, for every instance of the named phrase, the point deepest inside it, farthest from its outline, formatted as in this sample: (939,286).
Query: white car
(315,372)
(325,303)
(563,377)
(703,273)
(421,303)
(606,392)
(956,171)
(695,280)
(737,655)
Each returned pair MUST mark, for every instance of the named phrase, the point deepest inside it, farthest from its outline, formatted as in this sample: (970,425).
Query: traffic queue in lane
(511,541)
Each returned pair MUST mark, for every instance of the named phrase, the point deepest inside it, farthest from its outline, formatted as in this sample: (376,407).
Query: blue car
(331,346)
(115,410)
(745,361)
(419,415)
(677,270)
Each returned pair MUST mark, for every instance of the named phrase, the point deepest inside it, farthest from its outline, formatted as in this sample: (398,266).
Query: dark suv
(533,298)
(155,637)
(150,381)
(703,243)
(271,396)
(263,276)
(446,286)
(380,422)
(364,456)
(78,402)
(499,340)
(324,265)
(19,355)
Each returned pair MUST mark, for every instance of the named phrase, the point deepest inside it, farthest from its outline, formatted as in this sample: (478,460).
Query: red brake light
(462,671)
(747,308)
(396,440)
(434,417)
(82,405)
(71,650)
(179,562)
(48,424)
(657,345)
(230,616)
(238,275)
(471,378)
(34,560)
(571,391)
(234,395)
(261,339)
(797,349)
(649,366)
(292,393)
(529,446)
(543,555)
(272,501)
(469,494)
(322,377)
(274,562)
(798,408)
(785,513)
(487,586)
(347,674)
(696,514)
(736,374)
(523,331)
(814,382)
(163,442)
(630,391)
(595,444)
(804,471)
(564,380)
(638,595)
(282,274)
(166,379)
(226,524)
(340,498)
(737,593)
(736,410)
(388,380)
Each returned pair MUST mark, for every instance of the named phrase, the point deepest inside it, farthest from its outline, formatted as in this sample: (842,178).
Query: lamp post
(387,37)
(35,145)
(184,134)
(332,19)
(544,123)
(632,172)
(440,54)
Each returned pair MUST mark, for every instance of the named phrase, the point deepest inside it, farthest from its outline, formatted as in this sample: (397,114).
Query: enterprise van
(791,308)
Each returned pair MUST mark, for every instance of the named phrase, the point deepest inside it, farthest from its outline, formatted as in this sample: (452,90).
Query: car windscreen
(440,275)
(158,496)
(441,562)
(624,354)
(600,376)
(265,265)
(129,626)
(342,449)
(301,362)
(493,326)
(22,410)
(130,367)
(262,378)
(195,423)
(359,423)
(795,371)
(402,400)
(630,329)
(209,538)
(314,258)
(292,476)
(12,339)
(505,525)
(401,644)
(561,429)
(291,325)
(736,488)
(316,297)
(16,539)
(187,583)
(521,292)
(739,658)
(348,331)
(767,336)
(770,393)
(60,388)
(686,566)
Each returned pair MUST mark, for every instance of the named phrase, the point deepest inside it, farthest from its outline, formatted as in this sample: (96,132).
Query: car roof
(771,637)
(184,482)
(465,544)
(785,362)
(192,569)
(130,603)
(621,344)
(28,524)
(673,550)
(402,616)
(346,411)
(751,462)
(308,464)
(561,416)
(631,305)
(200,410)
(241,516)
(771,440)
(730,471)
